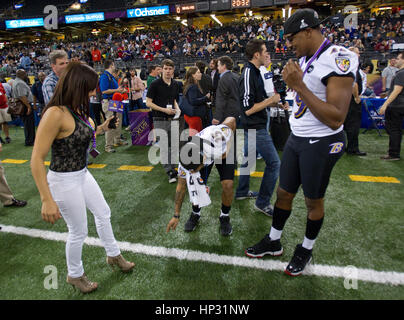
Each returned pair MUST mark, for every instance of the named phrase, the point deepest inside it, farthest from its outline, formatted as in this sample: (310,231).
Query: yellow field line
(14,161)
(96,166)
(256,174)
(374,179)
(136,168)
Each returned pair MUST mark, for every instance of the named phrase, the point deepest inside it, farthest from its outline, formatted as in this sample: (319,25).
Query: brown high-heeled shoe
(119,261)
(82,283)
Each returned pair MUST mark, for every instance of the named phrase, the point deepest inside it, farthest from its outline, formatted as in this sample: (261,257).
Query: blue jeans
(265,146)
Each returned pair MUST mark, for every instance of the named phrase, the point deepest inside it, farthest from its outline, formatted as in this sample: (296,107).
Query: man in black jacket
(227,99)
(393,107)
(254,117)
(228,92)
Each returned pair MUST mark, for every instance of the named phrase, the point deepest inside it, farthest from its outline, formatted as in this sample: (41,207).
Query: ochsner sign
(147,12)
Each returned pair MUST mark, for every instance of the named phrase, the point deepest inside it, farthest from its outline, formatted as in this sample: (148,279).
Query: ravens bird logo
(343,64)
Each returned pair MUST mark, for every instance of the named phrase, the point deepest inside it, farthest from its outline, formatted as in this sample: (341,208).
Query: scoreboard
(185,8)
(235,4)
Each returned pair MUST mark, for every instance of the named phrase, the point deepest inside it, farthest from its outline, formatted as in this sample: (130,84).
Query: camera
(279,84)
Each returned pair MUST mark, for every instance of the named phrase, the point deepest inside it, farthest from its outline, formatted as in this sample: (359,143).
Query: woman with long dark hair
(69,188)
(193,94)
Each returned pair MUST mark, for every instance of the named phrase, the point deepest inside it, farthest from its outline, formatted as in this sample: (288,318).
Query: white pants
(73,192)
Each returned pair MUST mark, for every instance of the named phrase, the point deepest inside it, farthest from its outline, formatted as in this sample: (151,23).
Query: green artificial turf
(363,227)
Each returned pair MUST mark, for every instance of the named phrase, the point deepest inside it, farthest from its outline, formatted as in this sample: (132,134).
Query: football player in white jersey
(213,145)
(322,82)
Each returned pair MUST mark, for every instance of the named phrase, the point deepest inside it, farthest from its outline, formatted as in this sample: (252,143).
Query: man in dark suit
(228,93)
(227,99)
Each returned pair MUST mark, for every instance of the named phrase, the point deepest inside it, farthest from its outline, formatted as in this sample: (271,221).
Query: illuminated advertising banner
(148,11)
(24,23)
(86,17)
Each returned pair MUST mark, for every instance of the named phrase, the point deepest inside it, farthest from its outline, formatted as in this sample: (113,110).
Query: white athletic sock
(308,244)
(275,234)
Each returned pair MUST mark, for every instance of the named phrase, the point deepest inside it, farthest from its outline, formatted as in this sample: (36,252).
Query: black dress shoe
(389,158)
(17,203)
(356,153)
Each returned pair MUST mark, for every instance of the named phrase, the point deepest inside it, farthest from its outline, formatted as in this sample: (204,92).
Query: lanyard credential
(87,123)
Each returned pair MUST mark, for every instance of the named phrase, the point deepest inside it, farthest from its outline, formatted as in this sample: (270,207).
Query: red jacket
(3,97)
(157,45)
(96,55)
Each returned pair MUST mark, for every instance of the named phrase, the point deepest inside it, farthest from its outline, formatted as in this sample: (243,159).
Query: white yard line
(383,277)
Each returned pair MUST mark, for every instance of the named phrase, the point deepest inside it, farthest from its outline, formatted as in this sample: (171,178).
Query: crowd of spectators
(373,34)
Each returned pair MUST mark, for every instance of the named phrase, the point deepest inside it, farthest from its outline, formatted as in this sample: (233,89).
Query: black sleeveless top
(70,153)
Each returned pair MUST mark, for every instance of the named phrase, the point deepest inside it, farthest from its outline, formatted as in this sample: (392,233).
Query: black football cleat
(264,247)
(225,226)
(192,222)
(301,258)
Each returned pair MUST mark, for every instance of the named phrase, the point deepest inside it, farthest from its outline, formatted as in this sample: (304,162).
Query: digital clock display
(185,8)
(240,4)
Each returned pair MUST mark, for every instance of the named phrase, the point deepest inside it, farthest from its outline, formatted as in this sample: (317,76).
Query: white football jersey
(334,61)
(220,137)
